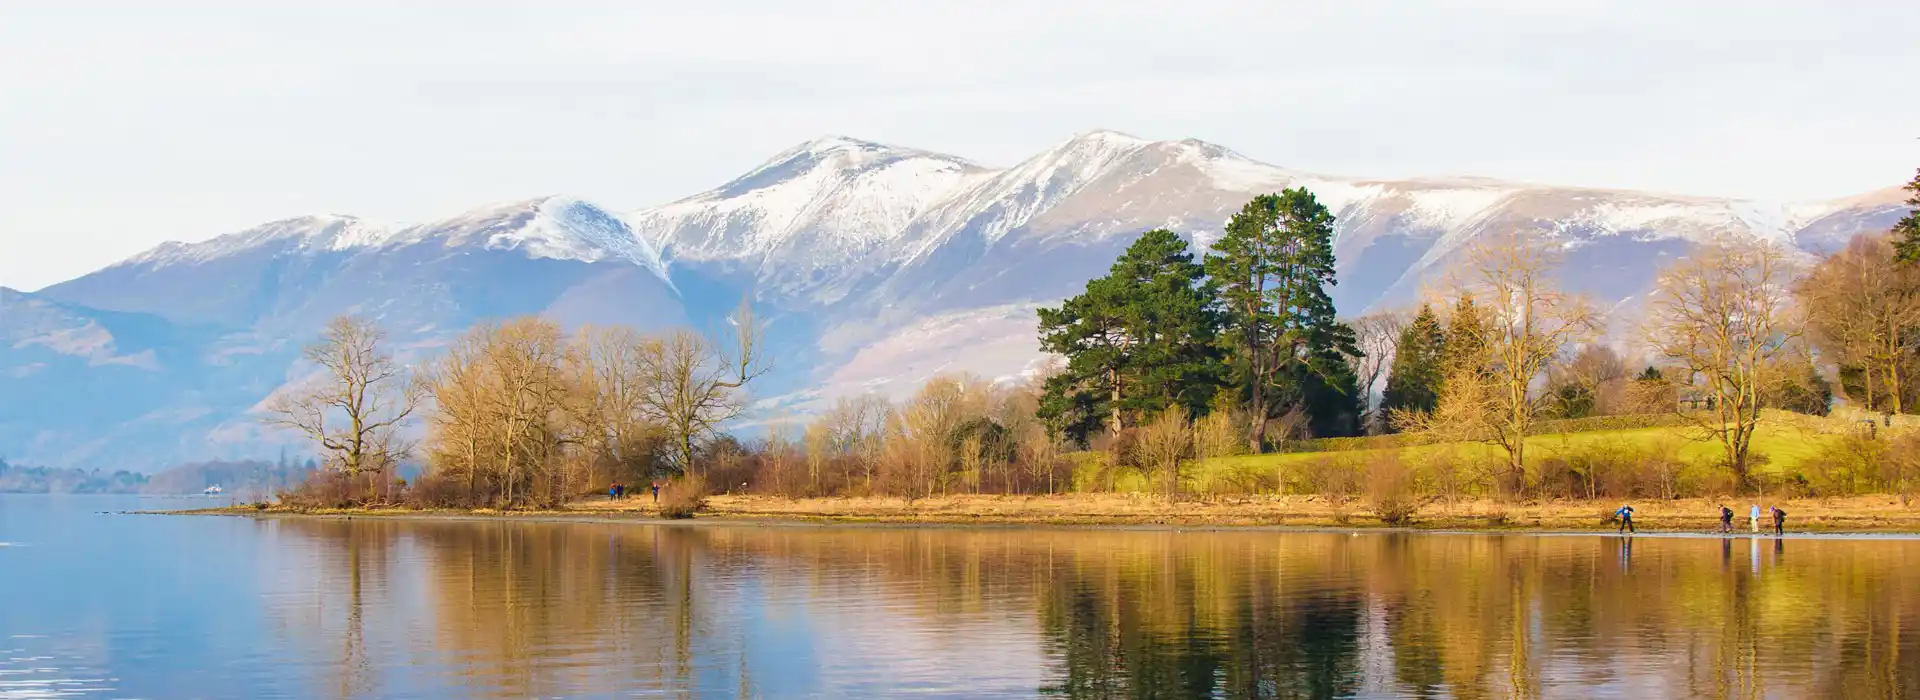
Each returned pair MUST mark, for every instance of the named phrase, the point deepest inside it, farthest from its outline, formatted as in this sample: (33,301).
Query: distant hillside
(15,479)
(241,479)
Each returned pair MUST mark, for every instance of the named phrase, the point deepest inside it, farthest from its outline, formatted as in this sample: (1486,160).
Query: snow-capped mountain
(286,274)
(879,265)
(976,257)
(232,313)
(792,223)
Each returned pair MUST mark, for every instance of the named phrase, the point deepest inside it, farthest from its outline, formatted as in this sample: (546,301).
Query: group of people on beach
(1625,516)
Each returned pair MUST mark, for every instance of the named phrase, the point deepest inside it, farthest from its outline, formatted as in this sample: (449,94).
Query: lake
(98,604)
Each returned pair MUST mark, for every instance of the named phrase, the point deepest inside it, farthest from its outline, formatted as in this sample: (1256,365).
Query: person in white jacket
(1754,514)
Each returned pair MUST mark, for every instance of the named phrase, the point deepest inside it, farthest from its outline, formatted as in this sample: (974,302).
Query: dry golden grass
(1856,514)
(1878,513)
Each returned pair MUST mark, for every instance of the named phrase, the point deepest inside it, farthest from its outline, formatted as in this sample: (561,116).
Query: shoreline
(1854,516)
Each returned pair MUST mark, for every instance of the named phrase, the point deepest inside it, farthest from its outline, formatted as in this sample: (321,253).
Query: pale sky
(124,124)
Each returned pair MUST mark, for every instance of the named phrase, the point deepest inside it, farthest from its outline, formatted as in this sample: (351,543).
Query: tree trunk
(1893,383)
(1866,374)
(1257,412)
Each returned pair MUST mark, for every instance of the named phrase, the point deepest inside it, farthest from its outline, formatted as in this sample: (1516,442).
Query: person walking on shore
(1779,521)
(1754,515)
(1726,520)
(1626,518)
(656,492)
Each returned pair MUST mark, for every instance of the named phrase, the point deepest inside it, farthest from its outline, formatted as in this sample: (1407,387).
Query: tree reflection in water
(506,609)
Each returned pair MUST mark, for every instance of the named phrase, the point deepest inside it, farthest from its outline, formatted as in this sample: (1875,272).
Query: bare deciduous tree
(353,410)
(502,393)
(1040,451)
(604,403)
(917,456)
(1528,324)
(1724,317)
(856,426)
(693,385)
(1375,335)
(1864,309)
(1598,376)
(1163,444)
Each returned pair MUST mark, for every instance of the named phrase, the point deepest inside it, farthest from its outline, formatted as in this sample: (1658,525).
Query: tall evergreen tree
(1137,341)
(1466,346)
(1419,365)
(1273,267)
(1242,267)
(1906,232)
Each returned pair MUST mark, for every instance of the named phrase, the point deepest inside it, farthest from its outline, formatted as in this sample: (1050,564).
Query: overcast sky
(124,124)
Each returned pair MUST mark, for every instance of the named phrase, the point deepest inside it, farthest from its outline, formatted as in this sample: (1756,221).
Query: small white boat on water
(213,490)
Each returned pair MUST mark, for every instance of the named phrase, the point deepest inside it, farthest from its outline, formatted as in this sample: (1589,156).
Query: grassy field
(1855,514)
(1785,441)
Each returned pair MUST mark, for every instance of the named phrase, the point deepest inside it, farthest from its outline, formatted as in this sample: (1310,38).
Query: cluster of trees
(240,479)
(23,479)
(516,413)
(1733,328)
(1251,326)
(957,434)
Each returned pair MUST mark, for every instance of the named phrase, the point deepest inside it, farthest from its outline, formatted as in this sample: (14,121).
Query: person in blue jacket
(1626,518)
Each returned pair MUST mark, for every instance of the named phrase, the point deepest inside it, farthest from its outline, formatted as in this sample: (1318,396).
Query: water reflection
(520,610)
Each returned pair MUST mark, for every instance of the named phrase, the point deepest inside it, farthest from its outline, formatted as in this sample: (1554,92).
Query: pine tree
(1466,346)
(1906,233)
(1273,267)
(1242,267)
(1419,366)
(1137,342)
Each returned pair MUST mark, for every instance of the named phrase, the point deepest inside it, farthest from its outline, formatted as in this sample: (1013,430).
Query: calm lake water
(95,604)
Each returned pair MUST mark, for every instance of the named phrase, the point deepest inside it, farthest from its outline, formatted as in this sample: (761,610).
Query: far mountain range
(877,267)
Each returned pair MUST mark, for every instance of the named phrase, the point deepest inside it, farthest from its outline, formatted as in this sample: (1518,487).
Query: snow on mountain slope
(323,232)
(556,228)
(1011,198)
(809,208)
(552,228)
(840,220)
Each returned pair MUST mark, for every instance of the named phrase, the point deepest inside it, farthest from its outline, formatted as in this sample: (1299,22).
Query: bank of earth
(1861,514)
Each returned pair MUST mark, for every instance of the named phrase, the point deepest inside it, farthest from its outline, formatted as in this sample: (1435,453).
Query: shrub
(1120,447)
(1390,490)
(329,488)
(1240,482)
(433,490)
(1333,476)
(683,497)
(1218,434)
(1444,474)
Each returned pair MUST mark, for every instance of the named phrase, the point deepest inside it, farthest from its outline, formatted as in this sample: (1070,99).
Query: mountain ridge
(877,265)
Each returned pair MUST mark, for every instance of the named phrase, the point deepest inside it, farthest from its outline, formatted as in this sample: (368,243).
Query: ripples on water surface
(99,605)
